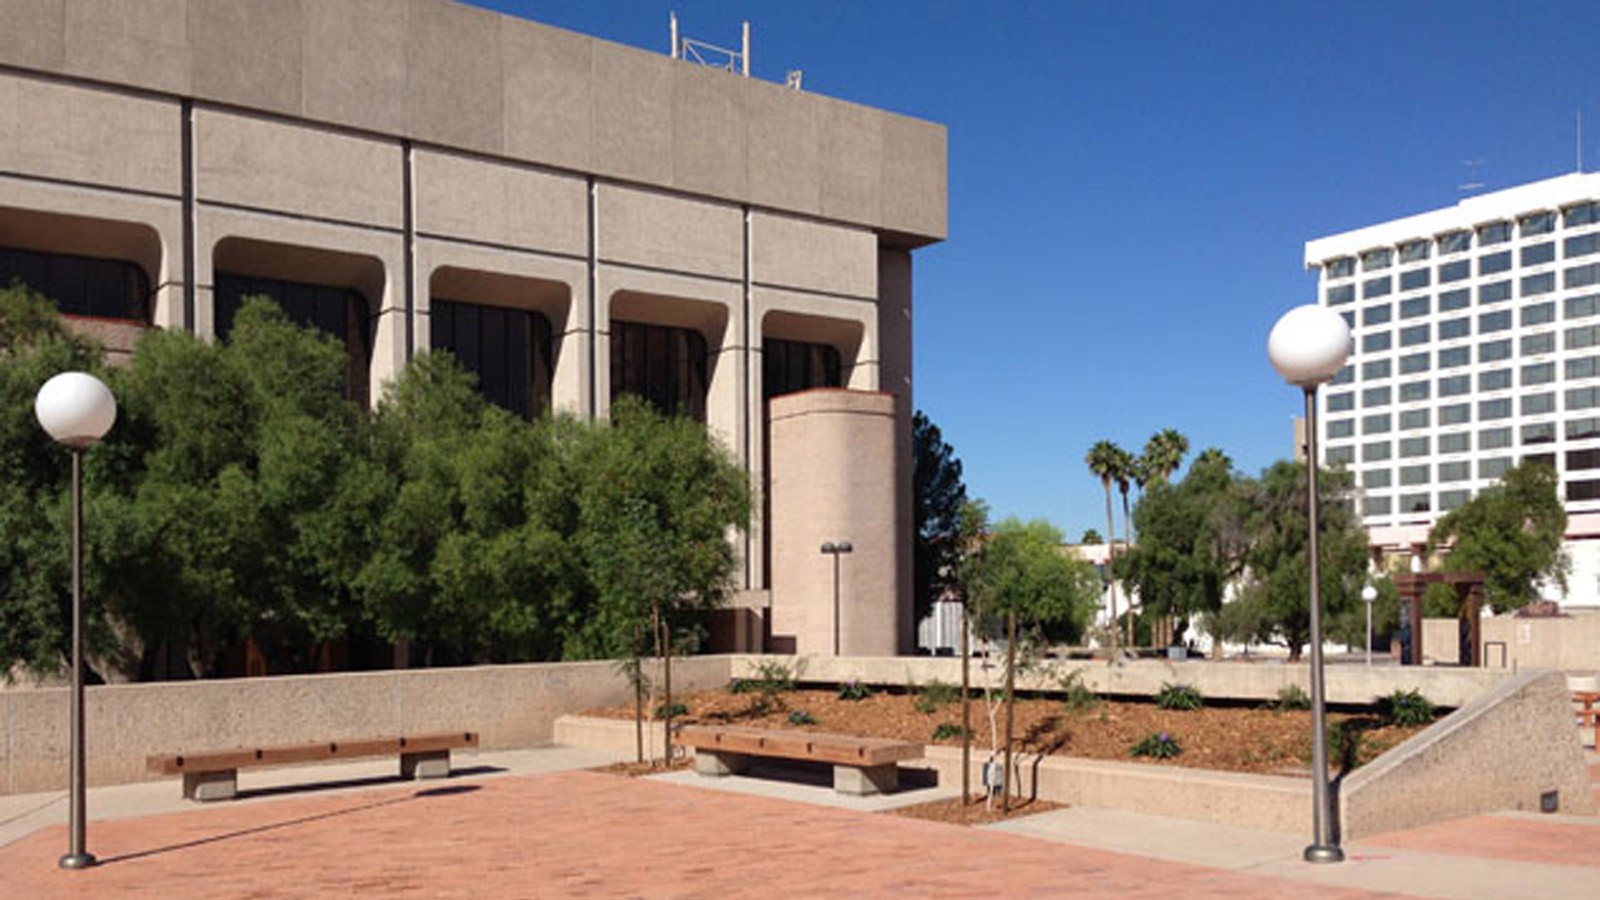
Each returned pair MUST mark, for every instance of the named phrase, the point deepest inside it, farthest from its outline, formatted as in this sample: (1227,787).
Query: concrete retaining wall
(1569,643)
(1501,751)
(1349,684)
(510,706)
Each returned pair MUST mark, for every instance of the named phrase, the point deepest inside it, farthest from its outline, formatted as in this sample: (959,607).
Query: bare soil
(1231,738)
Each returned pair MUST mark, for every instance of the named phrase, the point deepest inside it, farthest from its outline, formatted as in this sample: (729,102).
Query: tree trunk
(666,689)
(966,709)
(638,697)
(1011,702)
(1127,541)
(1111,559)
(655,636)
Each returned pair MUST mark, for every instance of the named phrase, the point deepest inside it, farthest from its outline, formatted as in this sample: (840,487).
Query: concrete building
(1477,347)
(573,218)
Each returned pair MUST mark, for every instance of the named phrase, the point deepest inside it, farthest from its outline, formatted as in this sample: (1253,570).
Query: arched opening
(322,289)
(501,328)
(660,350)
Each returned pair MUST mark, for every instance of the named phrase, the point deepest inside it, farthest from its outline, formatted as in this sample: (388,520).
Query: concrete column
(894,360)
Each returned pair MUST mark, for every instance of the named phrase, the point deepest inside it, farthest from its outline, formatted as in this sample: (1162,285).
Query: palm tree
(1163,453)
(1105,461)
(1128,469)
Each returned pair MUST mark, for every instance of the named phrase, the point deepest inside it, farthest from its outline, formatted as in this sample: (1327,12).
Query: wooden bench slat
(246,757)
(822,747)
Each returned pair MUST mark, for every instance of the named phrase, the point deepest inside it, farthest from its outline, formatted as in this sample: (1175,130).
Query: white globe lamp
(1309,345)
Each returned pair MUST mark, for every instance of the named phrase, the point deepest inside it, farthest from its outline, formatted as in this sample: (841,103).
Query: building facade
(1476,347)
(572,218)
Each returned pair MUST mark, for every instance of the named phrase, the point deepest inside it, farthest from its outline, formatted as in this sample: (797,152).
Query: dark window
(1375,451)
(1413,447)
(1494,293)
(1412,419)
(81,285)
(1494,409)
(1494,233)
(1413,335)
(1534,344)
(1375,424)
(1455,471)
(1582,307)
(1538,373)
(1375,506)
(1344,376)
(1414,279)
(1412,475)
(1376,478)
(1496,380)
(1449,500)
(1342,293)
(1540,459)
(1582,398)
(508,349)
(1340,456)
(1494,438)
(1341,428)
(1451,357)
(1583,459)
(1580,215)
(1582,336)
(1378,368)
(1581,276)
(1455,414)
(1493,468)
(1539,433)
(1377,396)
(665,366)
(1582,245)
(1582,367)
(1416,306)
(1534,285)
(1341,402)
(340,312)
(1460,298)
(1376,259)
(1455,271)
(1460,442)
(1582,429)
(1583,490)
(1539,313)
(1455,385)
(1373,343)
(1494,351)
(789,366)
(1413,251)
(1539,254)
(1494,321)
(1537,223)
(1376,287)
(1413,390)
(1451,329)
(1377,315)
(1343,267)
(1538,404)
(1494,263)
(1413,503)
(1455,241)
(1414,362)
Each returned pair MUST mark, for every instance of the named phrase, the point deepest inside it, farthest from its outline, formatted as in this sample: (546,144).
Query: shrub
(936,694)
(1292,697)
(854,690)
(950,730)
(1407,708)
(1157,746)
(677,710)
(772,679)
(801,717)
(1078,696)
(1178,696)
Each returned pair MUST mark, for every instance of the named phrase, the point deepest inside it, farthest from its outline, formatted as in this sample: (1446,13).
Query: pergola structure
(1469,595)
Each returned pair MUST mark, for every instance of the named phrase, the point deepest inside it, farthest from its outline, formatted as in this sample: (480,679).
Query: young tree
(1022,579)
(1091,536)
(657,499)
(1512,533)
(939,496)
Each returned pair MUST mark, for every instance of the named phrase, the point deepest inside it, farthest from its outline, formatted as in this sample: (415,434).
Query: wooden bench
(214,774)
(1588,715)
(861,766)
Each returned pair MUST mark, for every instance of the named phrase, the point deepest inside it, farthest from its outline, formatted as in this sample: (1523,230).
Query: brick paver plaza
(586,834)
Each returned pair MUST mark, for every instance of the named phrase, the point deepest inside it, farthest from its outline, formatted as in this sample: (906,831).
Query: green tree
(1274,604)
(1511,532)
(1191,540)
(1106,461)
(1163,454)
(1091,536)
(939,496)
(34,567)
(1022,579)
(657,499)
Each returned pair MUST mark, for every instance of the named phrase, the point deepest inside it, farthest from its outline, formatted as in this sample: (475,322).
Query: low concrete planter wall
(1346,684)
(510,706)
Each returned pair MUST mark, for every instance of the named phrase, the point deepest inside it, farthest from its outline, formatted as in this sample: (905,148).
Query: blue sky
(1132,185)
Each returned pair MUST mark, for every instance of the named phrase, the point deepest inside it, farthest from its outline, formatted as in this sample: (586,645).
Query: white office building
(1477,346)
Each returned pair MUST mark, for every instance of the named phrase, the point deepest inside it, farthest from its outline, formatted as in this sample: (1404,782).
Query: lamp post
(1308,346)
(1369,594)
(834,550)
(77,410)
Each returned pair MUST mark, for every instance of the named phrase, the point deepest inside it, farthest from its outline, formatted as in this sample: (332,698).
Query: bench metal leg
(208,786)
(863,781)
(717,765)
(430,764)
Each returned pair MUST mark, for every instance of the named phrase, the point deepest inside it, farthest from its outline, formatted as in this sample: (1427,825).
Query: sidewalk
(515,825)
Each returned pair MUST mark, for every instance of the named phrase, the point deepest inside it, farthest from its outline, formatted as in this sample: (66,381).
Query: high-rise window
(1536,224)
(665,366)
(508,349)
(81,285)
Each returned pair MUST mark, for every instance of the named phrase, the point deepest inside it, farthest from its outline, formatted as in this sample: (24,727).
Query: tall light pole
(835,550)
(1368,595)
(1308,346)
(76,409)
